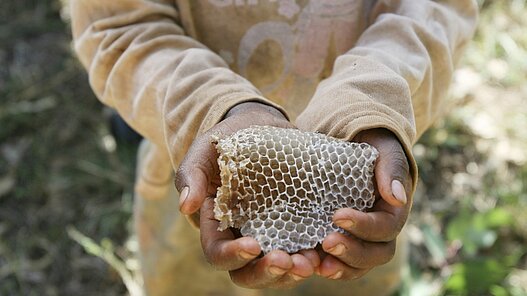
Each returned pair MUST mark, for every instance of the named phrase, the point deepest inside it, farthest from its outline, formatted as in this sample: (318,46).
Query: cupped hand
(277,269)
(374,233)
(197,180)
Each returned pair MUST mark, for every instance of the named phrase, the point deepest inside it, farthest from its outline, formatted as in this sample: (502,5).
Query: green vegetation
(468,227)
(66,188)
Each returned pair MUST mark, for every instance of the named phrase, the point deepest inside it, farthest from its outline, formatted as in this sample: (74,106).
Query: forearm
(422,49)
(397,74)
(166,85)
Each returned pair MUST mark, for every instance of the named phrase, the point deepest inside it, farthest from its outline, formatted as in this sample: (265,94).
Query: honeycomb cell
(301,193)
(282,186)
(267,171)
(294,143)
(279,224)
(293,171)
(283,234)
(272,232)
(264,161)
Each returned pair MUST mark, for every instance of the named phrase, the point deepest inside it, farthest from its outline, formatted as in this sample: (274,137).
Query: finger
(334,269)
(195,175)
(381,225)
(392,172)
(393,177)
(302,267)
(264,272)
(358,253)
(300,271)
(321,255)
(313,257)
(221,249)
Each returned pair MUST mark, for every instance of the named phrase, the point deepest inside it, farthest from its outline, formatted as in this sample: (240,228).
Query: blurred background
(66,182)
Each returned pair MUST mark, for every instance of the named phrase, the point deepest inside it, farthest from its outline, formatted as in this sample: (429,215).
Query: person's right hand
(197,180)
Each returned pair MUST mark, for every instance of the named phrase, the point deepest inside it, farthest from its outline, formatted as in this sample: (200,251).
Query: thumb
(393,176)
(195,177)
(392,171)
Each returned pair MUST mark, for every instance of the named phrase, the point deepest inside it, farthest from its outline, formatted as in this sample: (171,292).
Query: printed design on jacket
(287,8)
(319,29)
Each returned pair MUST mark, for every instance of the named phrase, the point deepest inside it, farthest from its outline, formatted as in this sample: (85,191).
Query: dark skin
(340,257)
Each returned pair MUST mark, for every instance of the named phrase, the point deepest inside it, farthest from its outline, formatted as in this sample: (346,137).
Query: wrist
(254,107)
(374,133)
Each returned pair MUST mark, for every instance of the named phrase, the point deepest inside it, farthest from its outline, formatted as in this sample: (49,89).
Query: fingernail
(297,277)
(398,191)
(338,250)
(345,223)
(246,255)
(337,275)
(277,270)
(183,196)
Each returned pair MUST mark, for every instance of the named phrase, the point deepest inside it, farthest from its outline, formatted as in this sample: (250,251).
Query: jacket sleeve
(165,84)
(397,74)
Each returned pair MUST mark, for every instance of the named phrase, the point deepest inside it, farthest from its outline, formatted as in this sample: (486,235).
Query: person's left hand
(373,233)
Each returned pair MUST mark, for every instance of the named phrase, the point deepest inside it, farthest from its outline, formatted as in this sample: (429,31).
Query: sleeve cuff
(222,106)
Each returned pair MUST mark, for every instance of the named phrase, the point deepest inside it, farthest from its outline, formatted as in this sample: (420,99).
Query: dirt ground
(55,170)
(66,183)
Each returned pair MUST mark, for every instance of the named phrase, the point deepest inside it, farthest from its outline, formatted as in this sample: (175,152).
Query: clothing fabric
(173,68)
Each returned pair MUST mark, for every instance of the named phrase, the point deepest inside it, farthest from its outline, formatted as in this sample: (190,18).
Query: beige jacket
(173,68)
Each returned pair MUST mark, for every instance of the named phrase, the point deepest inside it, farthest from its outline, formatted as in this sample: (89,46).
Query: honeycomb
(282,186)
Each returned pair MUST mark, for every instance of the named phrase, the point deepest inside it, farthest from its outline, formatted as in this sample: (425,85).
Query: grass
(66,189)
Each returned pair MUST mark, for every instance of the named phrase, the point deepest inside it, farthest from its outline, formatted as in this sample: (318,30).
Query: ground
(65,183)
